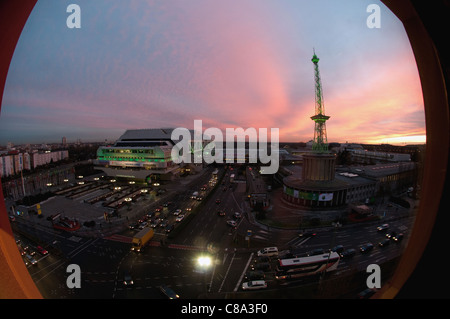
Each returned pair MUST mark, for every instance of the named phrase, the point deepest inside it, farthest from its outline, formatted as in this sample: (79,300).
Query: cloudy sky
(237,63)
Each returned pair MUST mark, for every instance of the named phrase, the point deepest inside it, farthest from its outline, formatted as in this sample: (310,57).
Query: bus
(307,266)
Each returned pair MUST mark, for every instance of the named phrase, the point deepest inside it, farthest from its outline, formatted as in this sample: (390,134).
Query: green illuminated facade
(144,154)
(158,157)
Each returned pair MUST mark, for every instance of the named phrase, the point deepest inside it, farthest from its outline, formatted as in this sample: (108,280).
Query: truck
(141,239)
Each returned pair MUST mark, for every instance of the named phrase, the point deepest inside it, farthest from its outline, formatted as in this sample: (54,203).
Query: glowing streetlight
(204,261)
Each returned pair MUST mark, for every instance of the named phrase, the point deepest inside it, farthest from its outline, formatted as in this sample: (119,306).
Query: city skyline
(154,65)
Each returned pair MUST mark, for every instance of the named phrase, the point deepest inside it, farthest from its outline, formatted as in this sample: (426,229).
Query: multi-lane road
(175,261)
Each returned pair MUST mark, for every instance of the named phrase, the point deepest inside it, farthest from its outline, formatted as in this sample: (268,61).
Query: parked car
(254,284)
(261,266)
(254,275)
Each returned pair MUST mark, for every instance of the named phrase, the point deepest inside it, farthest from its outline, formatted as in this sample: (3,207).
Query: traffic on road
(200,240)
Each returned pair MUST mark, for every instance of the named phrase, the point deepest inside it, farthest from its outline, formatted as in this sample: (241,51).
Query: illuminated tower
(320,164)
(320,143)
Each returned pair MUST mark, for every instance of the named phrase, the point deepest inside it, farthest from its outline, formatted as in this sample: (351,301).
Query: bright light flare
(204,261)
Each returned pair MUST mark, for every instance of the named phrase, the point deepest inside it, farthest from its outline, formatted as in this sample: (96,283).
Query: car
(169,228)
(367,293)
(349,253)
(30,259)
(189,209)
(306,234)
(254,284)
(155,223)
(143,225)
(262,259)
(398,237)
(133,226)
(367,247)
(221,213)
(232,223)
(199,198)
(164,223)
(22,252)
(338,249)
(383,227)
(127,279)
(384,242)
(218,201)
(143,219)
(261,266)
(391,234)
(179,218)
(177,212)
(237,215)
(267,251)
(168,292)
(254,275)
(41,250)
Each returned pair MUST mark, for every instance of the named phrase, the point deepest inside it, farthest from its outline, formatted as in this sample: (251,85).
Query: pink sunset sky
(156,64)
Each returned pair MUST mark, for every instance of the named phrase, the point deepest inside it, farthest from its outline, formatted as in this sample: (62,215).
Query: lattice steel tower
(320,143)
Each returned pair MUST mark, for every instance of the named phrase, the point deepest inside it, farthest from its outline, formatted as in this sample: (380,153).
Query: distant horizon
(68,141)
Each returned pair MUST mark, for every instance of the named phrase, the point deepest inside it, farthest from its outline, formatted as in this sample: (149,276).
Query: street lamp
(204,262)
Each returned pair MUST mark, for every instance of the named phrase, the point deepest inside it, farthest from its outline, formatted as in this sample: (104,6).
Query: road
(174,261)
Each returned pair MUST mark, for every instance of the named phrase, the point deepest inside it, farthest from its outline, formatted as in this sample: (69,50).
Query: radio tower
(320,143)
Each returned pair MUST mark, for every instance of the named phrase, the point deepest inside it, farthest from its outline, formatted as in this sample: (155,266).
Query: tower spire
(320,143)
